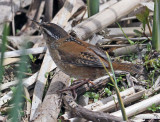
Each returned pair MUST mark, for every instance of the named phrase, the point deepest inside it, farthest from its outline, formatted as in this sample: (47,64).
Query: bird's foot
(76,84)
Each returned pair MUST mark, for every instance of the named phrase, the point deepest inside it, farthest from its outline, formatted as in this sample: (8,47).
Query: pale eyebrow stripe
(51,34)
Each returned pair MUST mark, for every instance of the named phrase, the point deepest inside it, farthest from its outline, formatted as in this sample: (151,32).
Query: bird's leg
(74,86)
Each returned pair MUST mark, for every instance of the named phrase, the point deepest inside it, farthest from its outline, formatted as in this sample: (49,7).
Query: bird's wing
(98,51)
(80,54)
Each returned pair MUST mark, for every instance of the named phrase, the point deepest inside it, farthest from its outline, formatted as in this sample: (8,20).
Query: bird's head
(51,31)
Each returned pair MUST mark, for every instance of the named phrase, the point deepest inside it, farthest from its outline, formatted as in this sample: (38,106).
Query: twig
(17,53)
(28,104)
(13,22)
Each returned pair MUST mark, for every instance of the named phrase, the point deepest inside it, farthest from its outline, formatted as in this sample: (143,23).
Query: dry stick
(28,104)
(18,53)
(8,85)
(13,22)
(18,41)
(129,31)
(47,66)
(84,15)
(48,10)
(105,18)
(127,50)
(8,61)
(9,47)
(149,116)
(124,39)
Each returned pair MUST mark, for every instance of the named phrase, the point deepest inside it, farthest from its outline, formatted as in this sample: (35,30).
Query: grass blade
(17,100)
(114,81)
(156,26)
(3,49)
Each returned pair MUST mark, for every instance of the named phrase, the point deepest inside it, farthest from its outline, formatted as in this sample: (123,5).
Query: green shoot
(130,41)
(32,58)
(154,108)
(114,81)
(143,17)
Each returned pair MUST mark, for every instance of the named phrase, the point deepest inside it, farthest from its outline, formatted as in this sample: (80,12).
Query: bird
(78,58)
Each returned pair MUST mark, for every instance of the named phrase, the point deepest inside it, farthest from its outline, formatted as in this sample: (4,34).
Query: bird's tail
(132,68)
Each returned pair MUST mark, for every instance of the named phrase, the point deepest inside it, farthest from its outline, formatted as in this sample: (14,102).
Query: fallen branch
(98,21)
(81,112)
(51,106)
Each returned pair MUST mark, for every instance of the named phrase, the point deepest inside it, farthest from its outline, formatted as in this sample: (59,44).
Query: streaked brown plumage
(78,58)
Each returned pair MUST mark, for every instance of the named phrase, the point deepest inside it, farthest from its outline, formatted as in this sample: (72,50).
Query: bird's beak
(39,25)
(34,21)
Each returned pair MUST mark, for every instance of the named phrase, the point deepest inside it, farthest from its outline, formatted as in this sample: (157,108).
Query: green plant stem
(156,26)
(150,31)
(130,41)
(3,49)
(93,7)
(116,88)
